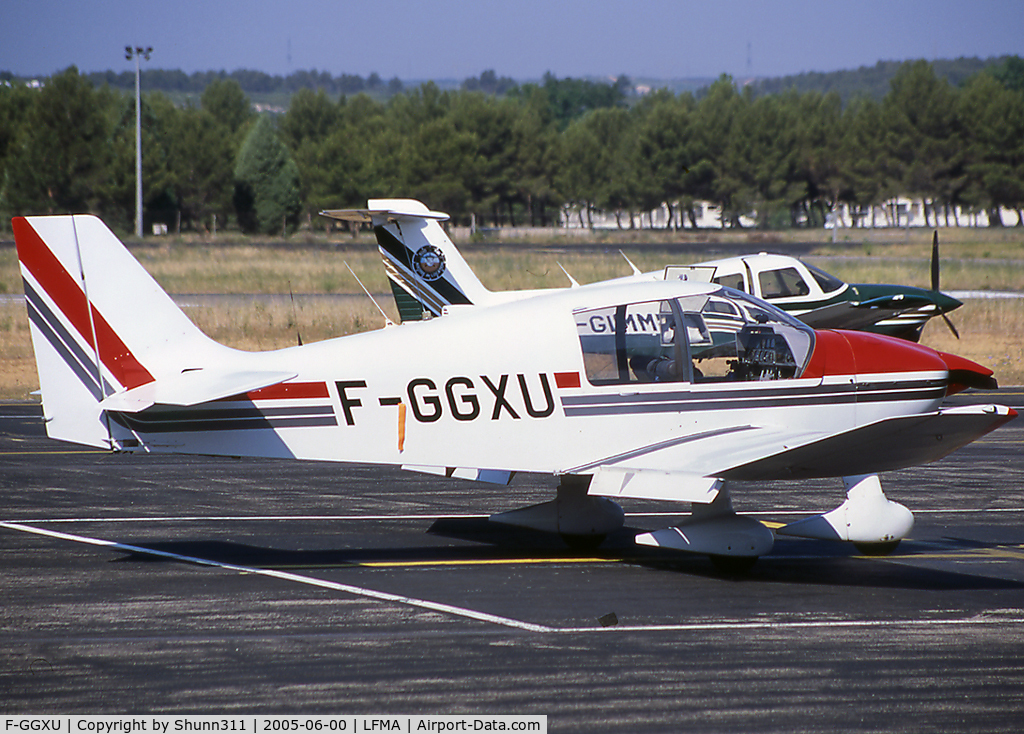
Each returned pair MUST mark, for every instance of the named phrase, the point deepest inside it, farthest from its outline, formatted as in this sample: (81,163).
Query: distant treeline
(508,153)
(868,81)
(251,82)
(260,83)
(873,81)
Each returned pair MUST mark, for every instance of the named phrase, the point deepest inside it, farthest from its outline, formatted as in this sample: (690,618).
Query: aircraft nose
(946,303)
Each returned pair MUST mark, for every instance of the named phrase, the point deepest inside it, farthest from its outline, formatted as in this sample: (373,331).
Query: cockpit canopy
(774,277)
(721,336)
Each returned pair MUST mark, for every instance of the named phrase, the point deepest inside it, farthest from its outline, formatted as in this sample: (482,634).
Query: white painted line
(978,511)
(1000,618)
(237,518)
(985,295)
(773,513)
(287,576)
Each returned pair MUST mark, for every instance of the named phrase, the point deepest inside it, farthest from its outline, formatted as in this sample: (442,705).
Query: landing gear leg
(581,520)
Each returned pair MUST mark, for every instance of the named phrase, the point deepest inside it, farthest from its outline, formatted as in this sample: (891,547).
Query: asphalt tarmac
(162,584)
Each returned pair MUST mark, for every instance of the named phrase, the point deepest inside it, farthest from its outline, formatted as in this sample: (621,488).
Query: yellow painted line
(979,554)
(488,562)
(481,562)
(1014,555)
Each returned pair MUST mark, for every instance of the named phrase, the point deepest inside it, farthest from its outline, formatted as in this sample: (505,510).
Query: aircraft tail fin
(427,272)
(101,326)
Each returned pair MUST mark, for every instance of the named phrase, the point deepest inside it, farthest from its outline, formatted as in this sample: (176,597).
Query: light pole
(130,53)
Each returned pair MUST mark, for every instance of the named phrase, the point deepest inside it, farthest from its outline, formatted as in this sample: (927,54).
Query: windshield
(826,281)
(724,336)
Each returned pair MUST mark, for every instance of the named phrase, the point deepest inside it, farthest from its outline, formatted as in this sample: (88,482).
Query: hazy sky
(523,39)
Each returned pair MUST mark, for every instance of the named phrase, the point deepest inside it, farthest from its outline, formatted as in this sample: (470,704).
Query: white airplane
(427,272)
(579,383)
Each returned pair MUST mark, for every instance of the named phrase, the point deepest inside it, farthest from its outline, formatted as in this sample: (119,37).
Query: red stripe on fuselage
(69,298)
(286,390)
(567,379)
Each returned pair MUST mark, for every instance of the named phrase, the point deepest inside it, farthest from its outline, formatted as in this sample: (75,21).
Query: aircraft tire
(733,565)
(582,543)
(877,549)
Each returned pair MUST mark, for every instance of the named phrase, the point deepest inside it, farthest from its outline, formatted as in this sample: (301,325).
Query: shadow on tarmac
(797,562)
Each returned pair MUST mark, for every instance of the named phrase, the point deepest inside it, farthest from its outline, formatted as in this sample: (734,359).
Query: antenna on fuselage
(636,270)
(295,319)
(572,280)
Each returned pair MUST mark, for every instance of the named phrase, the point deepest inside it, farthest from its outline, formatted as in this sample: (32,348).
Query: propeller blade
(950,325)
(935,279)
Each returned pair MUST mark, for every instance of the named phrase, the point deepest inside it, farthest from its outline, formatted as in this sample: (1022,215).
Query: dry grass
(269,269)
(262,327)
(10,276)
(991,334)
(17,366)
(971,259)
(994,275)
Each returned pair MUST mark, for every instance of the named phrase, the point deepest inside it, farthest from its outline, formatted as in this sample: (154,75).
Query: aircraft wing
(856,315)
(773,453)
(885,445)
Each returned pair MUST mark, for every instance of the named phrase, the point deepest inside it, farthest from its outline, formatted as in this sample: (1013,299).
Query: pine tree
(266,195)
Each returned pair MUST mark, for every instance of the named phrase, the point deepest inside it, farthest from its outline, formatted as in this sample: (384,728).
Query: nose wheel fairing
(866,518)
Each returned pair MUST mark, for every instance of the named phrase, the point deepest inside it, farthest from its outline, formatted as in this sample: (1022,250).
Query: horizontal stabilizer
(192,388)
(385,210)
